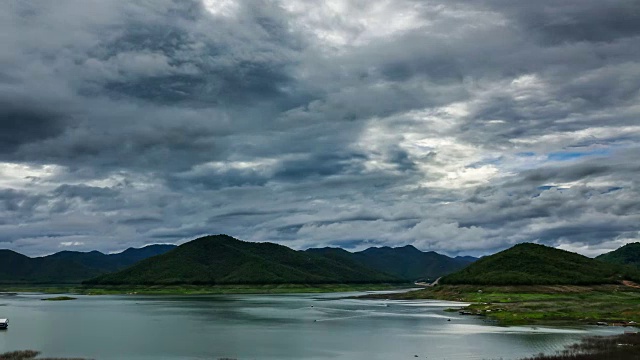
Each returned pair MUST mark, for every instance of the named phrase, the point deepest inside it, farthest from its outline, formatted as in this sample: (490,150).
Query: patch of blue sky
(553,187)
(572,155)
(488,161)
(351,244)
(543,188)
(604,191)
(612,189)
(526,154)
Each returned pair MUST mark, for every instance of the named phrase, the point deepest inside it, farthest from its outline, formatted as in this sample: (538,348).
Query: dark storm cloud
(319,165)
(402,159)
(581,56)
(586,233)
(620,165)
(217,178)
(458,126)
(195,69)
(141,220)
(172,53)
(83,192)
(574,21)
(200,65)
(26,121)
(18,201)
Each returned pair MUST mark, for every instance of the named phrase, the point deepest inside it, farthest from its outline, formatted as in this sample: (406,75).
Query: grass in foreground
(619,347)
(28,355)
(31,355)
(201,290)
(550,305)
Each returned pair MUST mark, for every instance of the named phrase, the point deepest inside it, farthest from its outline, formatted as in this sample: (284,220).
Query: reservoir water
(278,327)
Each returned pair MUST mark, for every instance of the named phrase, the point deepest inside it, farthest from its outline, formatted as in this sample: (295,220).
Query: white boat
(4,323)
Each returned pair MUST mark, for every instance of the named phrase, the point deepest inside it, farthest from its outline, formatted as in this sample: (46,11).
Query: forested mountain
(407,262)
(529,264)
(221,259)
(626,255)
(69,266)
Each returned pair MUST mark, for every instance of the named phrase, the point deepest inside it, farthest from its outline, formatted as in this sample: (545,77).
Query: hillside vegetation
(626,255)
(17,268)
(532,264)
(68,267)
(406,263)
(221,259)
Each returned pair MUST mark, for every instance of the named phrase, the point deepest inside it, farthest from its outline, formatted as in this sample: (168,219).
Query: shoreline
(200,289)
(548,356)
(611,305)
(605,305)
(623,346)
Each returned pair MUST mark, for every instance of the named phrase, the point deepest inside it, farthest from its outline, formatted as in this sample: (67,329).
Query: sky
(457,126)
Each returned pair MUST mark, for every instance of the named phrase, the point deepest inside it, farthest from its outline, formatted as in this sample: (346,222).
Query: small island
(59,298)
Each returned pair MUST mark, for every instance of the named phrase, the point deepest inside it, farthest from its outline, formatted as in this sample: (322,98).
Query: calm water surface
(282,327)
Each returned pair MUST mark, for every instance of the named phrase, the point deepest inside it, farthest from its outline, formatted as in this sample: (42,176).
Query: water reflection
(265,327)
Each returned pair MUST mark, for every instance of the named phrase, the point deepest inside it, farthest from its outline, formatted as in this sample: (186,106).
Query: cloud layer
(456,126)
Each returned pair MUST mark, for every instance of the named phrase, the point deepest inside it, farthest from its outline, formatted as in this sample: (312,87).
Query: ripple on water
(282,327)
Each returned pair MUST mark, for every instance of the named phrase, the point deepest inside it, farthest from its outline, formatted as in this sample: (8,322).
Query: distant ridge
(533,264)
(468,259)
(68,267)
(406,263)
(221,259)
(626,255)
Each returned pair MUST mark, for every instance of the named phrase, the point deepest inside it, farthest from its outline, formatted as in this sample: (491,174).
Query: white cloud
(441,123)
(71,243)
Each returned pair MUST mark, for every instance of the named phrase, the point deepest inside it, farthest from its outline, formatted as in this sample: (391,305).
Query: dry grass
(620,347)
(31,355)
(28,355)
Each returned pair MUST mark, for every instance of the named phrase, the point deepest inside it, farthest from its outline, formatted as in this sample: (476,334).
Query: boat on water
(4,323)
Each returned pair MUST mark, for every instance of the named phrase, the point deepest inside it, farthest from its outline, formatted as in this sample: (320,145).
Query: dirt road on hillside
(630,284)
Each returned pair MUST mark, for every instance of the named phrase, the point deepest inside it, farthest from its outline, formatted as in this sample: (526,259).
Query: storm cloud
(457,126)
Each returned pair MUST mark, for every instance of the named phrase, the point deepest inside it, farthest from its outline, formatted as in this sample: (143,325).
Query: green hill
(532,264)
(111,262)
(406,263)
(221,259)
(67,267)
(17,268)
(626,255)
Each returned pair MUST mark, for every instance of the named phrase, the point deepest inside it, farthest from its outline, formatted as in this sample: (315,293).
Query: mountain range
(69,266)
(405,263)
(221,259)
(534,264)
